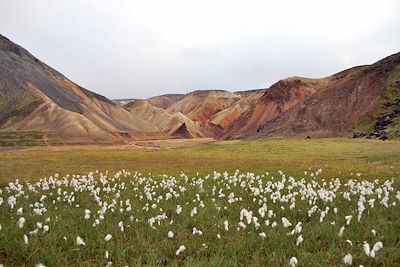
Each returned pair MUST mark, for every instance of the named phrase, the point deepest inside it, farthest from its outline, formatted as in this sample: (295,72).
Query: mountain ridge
(362,101)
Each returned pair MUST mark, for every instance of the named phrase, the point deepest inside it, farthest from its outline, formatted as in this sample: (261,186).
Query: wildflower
(21,222)
(293,262)
(226,225)
(178,209)
(348,219)
(299,240)
(340,234)
(373,232)
(11,201)
(242,225)
(349,242)
(170,234)
(348,259)
(297,229)
(108,237)
(366,248)
(79,241)
(286,222)
(26,240)
(19,211)
(87,215)
(196,231)
(193,212)
(121,226)
(377,246)
(181,249)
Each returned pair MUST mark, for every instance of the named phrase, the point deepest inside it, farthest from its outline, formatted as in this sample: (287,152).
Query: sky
(139,49)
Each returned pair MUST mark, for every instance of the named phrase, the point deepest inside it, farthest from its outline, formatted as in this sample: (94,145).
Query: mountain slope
(227,116)
(365,99)
(276,100)
(35,97)
(170,123)
(165,101)
(202,105)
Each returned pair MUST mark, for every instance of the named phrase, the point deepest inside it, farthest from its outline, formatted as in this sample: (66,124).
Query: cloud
(143,48)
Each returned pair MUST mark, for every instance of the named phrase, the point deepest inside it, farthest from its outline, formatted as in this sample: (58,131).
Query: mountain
(172,124)
(201,105)
(361,101)
(165,101)
(276,100)
(35,97)
(227,116)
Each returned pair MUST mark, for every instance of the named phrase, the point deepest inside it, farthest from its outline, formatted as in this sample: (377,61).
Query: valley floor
(372,158)
(341,208)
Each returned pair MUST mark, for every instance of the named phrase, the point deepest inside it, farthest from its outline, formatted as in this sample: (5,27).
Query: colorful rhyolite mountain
(362,101)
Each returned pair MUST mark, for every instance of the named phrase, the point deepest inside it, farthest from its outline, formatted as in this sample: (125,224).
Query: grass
(371,157)
(141,245)
(27,138)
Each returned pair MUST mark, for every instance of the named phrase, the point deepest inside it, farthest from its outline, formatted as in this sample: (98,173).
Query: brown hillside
(35,97)
(364,99)
(279,98)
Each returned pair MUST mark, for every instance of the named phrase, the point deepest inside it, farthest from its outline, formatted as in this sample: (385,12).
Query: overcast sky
(137,49)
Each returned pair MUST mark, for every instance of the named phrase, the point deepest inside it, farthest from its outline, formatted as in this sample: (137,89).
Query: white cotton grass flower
(293,262)
(170,234)
(286,222)
(121,226)
(106,254)
(341,230)
(242,225)
(34,232)
(46,228)
(349,242)
(193,212)
(181,249)
(178,209)
(40,265)
(348,219)
(377,246)
(348,259)
(21,222)
(226,225)
(79,241)
(218,236)
(366,248)
(196,231)
(87,214)
(26,240)
(108,237)
(297,229)
(299,240)
(372,252)
(262,234)
(373,232)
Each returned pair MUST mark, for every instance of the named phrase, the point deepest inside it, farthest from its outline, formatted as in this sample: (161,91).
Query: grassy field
(370,157)
(203,217)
